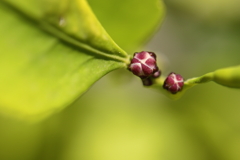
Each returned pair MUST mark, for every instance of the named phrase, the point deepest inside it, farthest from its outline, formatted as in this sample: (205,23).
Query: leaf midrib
(73,41)
(54,31)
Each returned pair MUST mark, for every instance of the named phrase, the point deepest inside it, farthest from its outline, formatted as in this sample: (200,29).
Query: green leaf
(51,53)
(73,22)
(133,21)
(45,67)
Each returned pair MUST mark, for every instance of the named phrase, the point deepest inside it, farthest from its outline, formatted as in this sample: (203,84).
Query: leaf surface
(51,53)
(133,22)
(44,70)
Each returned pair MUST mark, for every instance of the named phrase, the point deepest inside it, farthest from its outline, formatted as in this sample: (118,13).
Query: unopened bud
(143,64)
(229,77)
(173,83)
(147,81)
(156,74)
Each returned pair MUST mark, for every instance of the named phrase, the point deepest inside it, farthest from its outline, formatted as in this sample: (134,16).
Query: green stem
(158,84)
(198,80)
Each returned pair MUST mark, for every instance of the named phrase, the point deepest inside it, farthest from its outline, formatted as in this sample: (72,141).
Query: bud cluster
(143,65)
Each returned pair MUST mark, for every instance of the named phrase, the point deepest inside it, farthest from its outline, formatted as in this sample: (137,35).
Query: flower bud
(229,77)
(156,74)
(173,83)
(147,81)
(143,64)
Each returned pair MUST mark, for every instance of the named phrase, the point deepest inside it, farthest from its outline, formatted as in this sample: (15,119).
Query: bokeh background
(119,119)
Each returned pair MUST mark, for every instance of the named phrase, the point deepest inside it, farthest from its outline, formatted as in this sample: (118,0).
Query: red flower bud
(143,64)
(173,83)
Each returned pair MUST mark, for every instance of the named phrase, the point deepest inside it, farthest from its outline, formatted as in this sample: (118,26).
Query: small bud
(156,74)
(229,77)
(143,64)
(173,83)
(147,81)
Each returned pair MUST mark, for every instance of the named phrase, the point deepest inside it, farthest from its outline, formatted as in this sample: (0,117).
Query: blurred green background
(118,119)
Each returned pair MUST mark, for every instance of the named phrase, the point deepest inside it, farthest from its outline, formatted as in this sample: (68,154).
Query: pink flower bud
(143,64)
(156,74)
(173,83)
